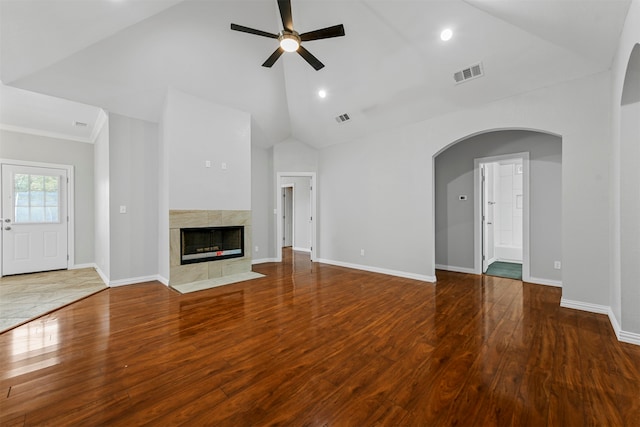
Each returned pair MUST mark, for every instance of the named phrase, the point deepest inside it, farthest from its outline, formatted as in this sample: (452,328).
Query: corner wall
(624,293)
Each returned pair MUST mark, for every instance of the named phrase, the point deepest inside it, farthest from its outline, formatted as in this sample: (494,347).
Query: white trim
(547,282)
(623,336)
(455,269)
(134,280)
(614,323)
(98,125)
(103,276)
(308,250)
(38,132)
(81,266)
(163,280)
(404,274)
(585,306)
(314,212)
(477,212)
(70,201)
(263,260)
(629,337)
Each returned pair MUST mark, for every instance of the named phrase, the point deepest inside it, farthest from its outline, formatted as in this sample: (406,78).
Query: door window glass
(36,198)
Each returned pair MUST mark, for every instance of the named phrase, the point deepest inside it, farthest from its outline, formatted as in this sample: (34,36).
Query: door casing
(70,203)
(477,211)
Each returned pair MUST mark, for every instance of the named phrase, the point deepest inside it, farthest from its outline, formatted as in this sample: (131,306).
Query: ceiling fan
(290,40)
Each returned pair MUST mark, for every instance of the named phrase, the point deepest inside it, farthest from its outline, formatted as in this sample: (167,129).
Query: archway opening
(457,202)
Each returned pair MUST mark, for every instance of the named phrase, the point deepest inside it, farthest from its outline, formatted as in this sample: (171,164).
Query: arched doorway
(629,195)
(457,201)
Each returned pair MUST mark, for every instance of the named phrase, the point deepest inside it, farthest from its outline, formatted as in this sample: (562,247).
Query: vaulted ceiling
(390,69)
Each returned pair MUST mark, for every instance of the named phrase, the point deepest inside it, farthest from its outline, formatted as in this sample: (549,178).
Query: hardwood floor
(319,345)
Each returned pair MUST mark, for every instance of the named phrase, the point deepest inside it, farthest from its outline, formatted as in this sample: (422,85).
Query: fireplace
(204,244)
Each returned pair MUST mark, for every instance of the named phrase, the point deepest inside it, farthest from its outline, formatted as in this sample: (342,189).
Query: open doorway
(296,213)
(288,216)
(502,215)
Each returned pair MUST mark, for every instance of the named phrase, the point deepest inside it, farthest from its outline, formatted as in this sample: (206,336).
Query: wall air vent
(80,124)
(468,73)
(343,118)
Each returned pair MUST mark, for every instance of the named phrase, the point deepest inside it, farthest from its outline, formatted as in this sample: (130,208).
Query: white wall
(196,131)
(294,156)
(193,131)
(370,185)
(509,213)
(102,204)
(624,211)
(262,204)
(34,148)
(133,183)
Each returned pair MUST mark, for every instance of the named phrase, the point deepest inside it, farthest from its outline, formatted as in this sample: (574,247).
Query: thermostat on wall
(462,197)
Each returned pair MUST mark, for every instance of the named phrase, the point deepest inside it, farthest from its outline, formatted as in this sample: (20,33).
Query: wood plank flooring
(319,345)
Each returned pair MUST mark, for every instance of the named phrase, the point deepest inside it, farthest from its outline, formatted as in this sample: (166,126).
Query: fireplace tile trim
(188,273)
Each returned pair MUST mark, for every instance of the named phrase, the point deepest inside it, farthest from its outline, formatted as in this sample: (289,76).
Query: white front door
(34,219)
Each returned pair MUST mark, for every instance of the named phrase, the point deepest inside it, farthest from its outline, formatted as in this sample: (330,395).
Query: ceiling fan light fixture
(289,42)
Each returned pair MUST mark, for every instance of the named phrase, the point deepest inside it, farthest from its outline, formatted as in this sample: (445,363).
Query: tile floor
(26,296)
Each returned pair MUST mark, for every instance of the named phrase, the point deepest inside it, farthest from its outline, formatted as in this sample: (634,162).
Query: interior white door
(488,202)
(287,217)
(34,219)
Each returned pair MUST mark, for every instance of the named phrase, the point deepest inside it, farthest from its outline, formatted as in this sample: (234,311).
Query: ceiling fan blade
(244,29)
(312,60)
(273,58)
(285,14)
(324,33)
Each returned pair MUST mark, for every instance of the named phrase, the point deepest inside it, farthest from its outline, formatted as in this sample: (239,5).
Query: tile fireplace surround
(189,273)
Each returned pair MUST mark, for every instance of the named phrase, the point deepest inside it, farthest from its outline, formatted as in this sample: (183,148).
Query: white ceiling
(390,69)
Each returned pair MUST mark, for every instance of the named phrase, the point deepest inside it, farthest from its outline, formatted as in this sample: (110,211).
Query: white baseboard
(539,281)
(585,306)
(455,269)
(629,337)
(404,274)
(263,260)
(134,280)
(81,266)
(308,250)
(623,336)
(163,280)
(103,276)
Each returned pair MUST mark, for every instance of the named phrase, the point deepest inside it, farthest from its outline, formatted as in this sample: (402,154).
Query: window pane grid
(36,198)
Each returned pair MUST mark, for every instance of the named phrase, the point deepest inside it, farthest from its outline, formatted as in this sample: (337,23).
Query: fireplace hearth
(204,244)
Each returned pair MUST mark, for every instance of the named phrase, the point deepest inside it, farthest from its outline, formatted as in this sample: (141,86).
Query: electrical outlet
(557,265)
(257,249)
(361,252)
(123,209)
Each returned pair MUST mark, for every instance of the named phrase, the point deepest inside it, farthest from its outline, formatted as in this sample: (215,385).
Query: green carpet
(505,269)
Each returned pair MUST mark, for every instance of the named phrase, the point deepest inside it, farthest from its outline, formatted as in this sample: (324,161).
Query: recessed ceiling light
(446,34)
(322,93)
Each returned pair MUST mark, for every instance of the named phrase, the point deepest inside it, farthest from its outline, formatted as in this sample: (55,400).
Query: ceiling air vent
(343,118)
(468,73)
